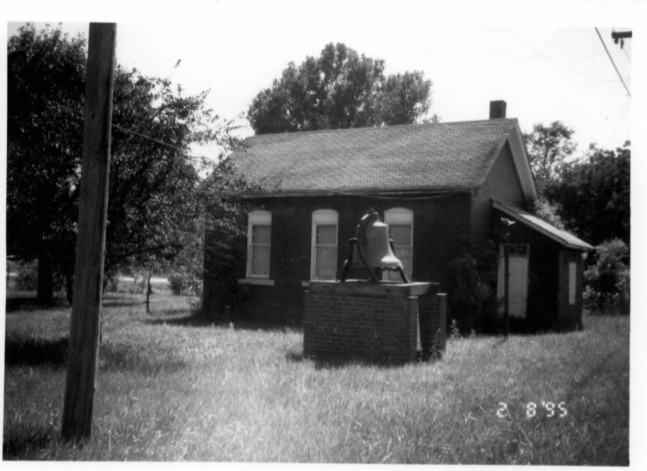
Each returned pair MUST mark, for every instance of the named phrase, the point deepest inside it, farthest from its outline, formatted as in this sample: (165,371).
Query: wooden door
(518,281)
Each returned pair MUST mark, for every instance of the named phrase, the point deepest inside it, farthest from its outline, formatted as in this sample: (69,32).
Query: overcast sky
(544,70)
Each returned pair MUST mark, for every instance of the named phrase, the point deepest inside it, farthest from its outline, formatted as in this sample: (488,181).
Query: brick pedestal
(357,320)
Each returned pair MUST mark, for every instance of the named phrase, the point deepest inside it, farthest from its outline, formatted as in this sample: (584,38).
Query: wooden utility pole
(91,236)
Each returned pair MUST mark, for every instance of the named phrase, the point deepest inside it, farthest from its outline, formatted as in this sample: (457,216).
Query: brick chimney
(497,109)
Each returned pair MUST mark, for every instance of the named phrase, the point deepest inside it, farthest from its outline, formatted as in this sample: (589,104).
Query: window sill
(256,281)
(306,283)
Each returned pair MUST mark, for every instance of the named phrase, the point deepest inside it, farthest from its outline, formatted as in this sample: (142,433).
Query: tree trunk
(45,290)
(149,291)
(69,287)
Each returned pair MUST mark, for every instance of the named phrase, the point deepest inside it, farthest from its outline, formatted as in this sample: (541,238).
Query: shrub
(467,293)
(471,292)
(186,283)
(27,279)
(607,279)
(176,283)
(27,276)
(112,284)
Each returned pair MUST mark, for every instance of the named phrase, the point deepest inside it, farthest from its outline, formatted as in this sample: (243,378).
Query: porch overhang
(560,236)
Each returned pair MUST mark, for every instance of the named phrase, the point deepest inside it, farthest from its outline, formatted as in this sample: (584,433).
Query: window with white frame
(324,245)
(400,222)
(259,231)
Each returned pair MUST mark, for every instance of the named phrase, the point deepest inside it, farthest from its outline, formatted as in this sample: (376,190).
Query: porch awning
(558,235)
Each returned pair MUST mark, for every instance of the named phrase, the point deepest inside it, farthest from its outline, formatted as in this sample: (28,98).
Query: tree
(404,98)
(548,148)
(154,182)
(225,241)
(549,212)
(46,86)
(339,89)
(594,195)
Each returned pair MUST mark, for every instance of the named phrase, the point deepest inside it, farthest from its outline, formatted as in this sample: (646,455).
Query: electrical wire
(612,61)
(79,115)
(550,58)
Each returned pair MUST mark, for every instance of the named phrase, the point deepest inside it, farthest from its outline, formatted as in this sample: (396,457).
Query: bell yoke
(374,249)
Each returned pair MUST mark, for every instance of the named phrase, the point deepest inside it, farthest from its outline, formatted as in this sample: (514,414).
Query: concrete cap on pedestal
(366,288)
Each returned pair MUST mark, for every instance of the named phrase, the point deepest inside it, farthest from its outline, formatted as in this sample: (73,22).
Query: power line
(612,62)
(184,152)
(550,58)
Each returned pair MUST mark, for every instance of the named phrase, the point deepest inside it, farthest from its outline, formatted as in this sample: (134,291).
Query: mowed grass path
(174,389)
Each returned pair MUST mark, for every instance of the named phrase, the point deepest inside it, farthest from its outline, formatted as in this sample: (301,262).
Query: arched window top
(260,216)
(325,216)
(398,216)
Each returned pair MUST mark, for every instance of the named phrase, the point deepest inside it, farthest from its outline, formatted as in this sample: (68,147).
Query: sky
(544,70)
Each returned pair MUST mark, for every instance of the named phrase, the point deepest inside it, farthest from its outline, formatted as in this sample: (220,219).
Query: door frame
(519,252)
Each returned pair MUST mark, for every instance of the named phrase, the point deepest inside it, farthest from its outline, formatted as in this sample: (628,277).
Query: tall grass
(173,388)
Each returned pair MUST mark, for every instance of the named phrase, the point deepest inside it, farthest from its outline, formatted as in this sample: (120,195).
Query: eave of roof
(558,235)
(360,192)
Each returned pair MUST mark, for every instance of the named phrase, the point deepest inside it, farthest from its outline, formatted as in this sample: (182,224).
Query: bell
(372,249)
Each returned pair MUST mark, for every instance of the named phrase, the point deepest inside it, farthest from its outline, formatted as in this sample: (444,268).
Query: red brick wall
(372,324)
(441,226)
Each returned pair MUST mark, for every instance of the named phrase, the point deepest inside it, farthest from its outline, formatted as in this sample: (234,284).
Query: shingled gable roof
(424,157)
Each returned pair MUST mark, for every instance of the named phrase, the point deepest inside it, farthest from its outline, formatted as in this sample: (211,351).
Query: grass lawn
(172,388)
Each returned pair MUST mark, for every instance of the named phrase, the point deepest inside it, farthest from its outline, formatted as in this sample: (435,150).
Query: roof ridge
(378,128)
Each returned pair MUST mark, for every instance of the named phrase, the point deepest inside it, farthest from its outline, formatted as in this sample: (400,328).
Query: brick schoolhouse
(441,188)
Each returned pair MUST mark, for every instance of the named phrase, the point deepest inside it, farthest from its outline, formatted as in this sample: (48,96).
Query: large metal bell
(372,249)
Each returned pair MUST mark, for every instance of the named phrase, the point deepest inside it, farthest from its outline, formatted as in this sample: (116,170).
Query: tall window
(324,245)
(572,282)
(400,222)
(259,229)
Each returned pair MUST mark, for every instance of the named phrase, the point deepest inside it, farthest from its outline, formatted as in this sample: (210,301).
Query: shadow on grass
(121,302)
(267,326)
(36,352)
(171,317)
(340,362)
(28,302)
(184,321)
(25,442)
(53,354)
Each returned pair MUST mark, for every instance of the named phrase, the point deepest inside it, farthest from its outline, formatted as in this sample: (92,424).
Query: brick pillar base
(363,321)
